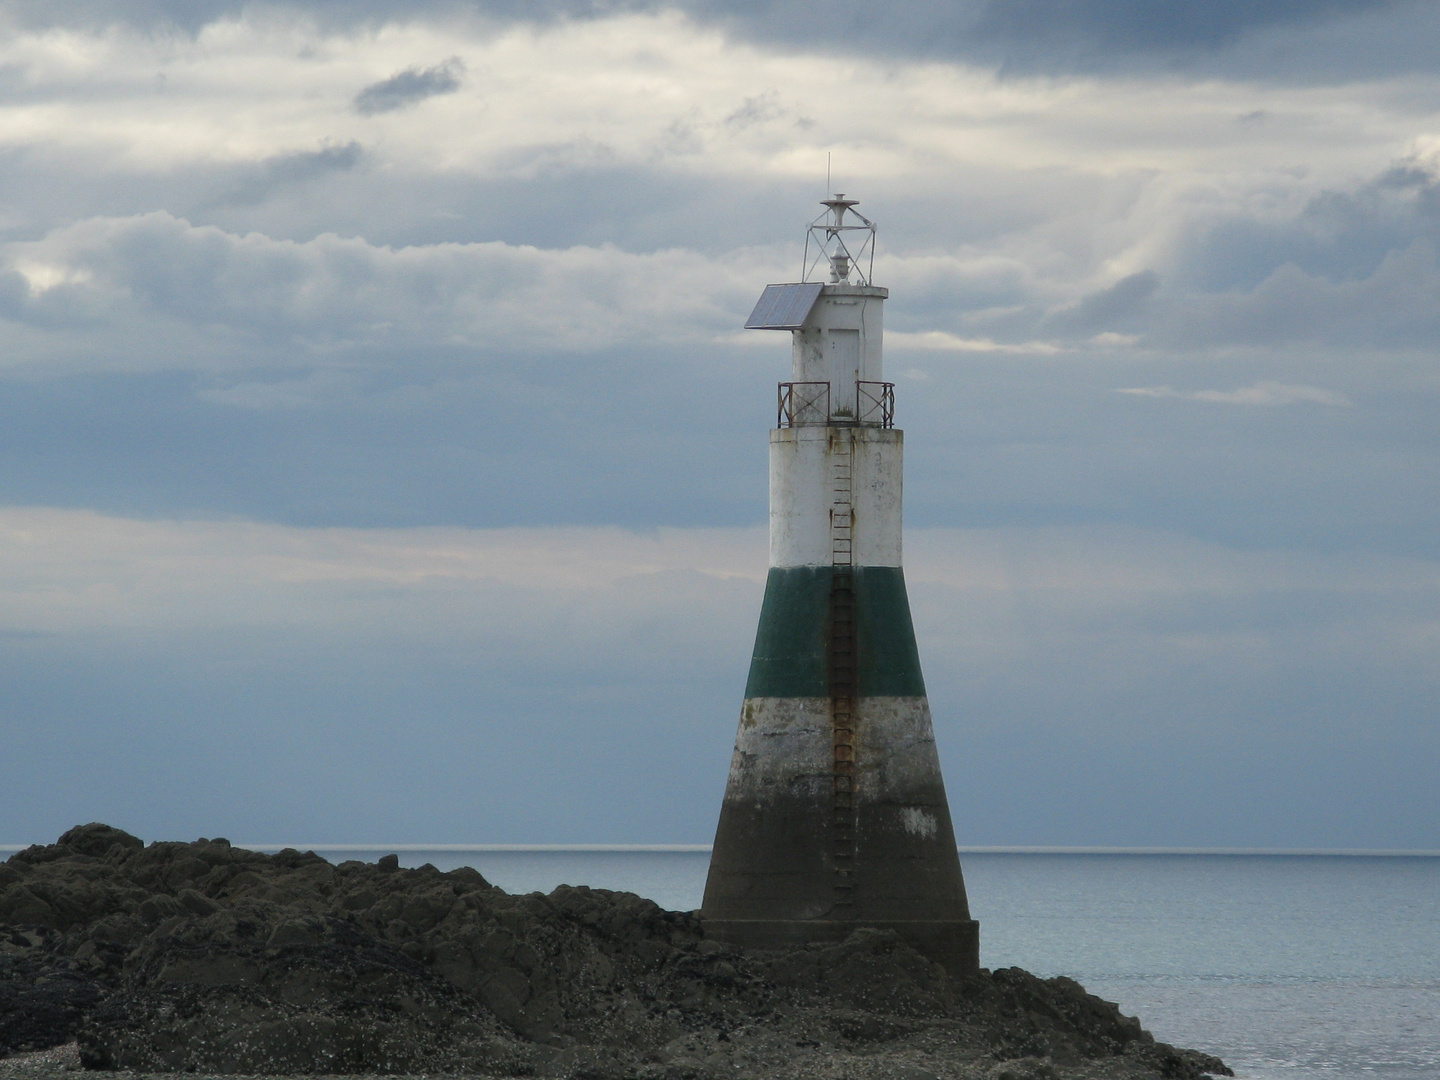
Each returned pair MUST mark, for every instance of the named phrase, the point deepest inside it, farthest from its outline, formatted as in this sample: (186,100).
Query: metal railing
(803,404)
(807,404)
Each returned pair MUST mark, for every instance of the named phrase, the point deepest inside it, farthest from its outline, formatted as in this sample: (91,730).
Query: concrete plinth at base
(954,944)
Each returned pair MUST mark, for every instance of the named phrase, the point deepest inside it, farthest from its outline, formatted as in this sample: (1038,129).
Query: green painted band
(791,644)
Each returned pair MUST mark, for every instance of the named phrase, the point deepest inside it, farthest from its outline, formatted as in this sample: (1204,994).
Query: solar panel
(784,307)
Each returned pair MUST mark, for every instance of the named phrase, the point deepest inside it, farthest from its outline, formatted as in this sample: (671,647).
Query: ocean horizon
(1000,849)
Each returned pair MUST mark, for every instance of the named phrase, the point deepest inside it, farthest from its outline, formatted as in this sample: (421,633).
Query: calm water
(1293,967)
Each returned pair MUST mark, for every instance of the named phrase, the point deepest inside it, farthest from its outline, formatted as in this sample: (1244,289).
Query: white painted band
(785,746)
(804,465)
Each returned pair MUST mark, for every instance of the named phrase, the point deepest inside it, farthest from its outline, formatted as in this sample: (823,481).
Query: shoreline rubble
(213,960)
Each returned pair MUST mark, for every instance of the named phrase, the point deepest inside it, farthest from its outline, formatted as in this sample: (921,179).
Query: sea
(1287,966)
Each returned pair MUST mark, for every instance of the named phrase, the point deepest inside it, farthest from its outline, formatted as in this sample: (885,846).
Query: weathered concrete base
(954,945)
(778,874)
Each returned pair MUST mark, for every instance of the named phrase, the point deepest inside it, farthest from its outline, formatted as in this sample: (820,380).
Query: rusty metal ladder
(844,674)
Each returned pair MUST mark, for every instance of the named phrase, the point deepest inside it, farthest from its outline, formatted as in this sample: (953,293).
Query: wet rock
(44,995)
(1023,1069)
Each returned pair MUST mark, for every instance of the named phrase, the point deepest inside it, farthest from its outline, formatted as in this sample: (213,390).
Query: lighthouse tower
(835,815)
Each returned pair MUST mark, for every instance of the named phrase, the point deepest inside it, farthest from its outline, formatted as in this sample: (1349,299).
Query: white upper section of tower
(841,343)
(837,327)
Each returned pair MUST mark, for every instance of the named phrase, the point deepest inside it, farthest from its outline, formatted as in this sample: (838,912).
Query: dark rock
(196,903)
(97,840)
(1176,1064)
(354,1007)
(1023,1069)
(208,958)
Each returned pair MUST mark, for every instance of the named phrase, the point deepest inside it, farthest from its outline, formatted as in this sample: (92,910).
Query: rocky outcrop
(203,957)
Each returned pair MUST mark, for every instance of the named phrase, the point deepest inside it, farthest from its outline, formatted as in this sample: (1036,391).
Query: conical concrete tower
(835,815)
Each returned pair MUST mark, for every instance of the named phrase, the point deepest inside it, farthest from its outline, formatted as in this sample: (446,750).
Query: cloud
(231,298)
(1396,306)
(112,573)
(1118,305)
(1339,234)
(1263,393)
(261,181)
(409,87)
(69,571)
(473,684)
(441,310)
(142,279)
(75,571)
(423,647)
(259,85)
(1099,30)
(356,409)
(1013,209)
(940,341)
(1305,40)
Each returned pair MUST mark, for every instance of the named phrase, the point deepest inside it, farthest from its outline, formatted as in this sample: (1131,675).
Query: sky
(382,460)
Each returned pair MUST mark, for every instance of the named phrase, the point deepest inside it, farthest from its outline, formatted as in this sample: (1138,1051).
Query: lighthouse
(835,816)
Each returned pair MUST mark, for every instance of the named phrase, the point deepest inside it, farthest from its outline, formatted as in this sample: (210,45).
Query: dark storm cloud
(1017,35)
(1152,25)
(191,16)
(1033,35)
(410,86)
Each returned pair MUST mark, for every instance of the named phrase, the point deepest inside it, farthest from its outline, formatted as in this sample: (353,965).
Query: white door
(842,363)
